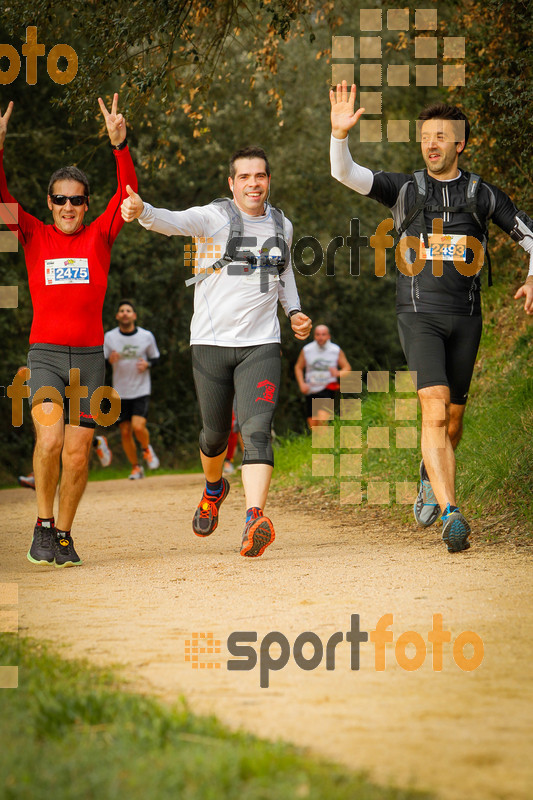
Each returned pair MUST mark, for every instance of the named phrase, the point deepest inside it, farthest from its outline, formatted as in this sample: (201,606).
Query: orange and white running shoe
(150,457)
(136,474)
(103,451)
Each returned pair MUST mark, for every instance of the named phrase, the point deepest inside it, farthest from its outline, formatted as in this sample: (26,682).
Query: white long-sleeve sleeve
(345,170)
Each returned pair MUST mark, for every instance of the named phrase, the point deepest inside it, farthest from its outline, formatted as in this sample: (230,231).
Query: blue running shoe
(426,509)
(455,530)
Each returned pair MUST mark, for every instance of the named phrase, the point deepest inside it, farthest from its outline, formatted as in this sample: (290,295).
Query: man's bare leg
(213,467)
(75,458)
(128,442)
(436,445)
(442,425)
(256,481)
(46,459)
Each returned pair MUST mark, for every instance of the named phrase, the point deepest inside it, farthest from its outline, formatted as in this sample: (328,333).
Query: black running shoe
(205,518)
(42,547)
(64,553)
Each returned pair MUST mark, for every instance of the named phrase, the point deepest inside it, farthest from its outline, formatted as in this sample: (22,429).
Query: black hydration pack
(470,206)
(236,240)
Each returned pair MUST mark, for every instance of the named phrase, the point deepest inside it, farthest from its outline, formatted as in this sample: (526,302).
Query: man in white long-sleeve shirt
(235,332)
(438,293)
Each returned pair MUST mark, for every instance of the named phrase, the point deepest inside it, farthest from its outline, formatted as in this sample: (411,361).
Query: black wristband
(295,311)
(120,146)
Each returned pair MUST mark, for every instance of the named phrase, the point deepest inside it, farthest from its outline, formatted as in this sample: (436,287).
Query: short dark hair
(69,174)
(252,151)
(443,111)
(125,302)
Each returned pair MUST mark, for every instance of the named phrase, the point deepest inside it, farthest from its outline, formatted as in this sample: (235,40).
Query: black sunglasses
(75,200)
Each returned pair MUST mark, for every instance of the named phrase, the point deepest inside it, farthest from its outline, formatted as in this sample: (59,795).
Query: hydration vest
(235,239)
(416,213)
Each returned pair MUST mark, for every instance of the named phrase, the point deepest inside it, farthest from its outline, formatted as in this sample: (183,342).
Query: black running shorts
(134,407)
(441,349)
(50,365)
(252,375)
(325,393)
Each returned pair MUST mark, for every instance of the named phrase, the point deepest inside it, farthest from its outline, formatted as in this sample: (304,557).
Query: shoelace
(43,535)
(205,513)
(429,494)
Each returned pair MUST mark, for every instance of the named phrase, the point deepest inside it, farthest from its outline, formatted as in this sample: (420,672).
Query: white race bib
(444,247)
(66,270)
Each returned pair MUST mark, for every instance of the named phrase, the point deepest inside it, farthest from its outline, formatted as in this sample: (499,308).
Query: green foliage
(498,94)
(274,94)
(71,731)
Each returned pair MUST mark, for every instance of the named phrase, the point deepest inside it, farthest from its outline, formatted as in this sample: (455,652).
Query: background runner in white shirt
(324,363)
(132,351)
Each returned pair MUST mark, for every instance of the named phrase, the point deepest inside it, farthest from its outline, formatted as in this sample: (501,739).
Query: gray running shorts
(50,365)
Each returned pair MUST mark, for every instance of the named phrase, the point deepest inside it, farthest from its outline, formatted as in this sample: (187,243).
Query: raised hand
(3,123)
(132,206)
(343,117)
(115,123)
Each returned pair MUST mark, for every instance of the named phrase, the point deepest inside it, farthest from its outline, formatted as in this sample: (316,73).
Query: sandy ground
(147,584)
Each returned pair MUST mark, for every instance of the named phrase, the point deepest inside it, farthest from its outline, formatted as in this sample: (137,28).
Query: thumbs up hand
(132,206)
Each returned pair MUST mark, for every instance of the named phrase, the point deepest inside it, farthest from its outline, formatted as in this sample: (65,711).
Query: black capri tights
(252,375)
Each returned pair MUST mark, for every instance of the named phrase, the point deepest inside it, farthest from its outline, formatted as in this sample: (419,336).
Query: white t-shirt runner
(318,360)
(230,310)
(127,380)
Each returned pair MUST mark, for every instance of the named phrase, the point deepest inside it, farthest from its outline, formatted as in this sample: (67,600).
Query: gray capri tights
(252,374)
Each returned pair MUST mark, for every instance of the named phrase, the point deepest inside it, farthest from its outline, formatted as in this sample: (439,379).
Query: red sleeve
(110,222)
(18,221)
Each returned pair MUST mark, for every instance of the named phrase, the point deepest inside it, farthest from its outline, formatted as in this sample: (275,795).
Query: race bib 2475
(66,270)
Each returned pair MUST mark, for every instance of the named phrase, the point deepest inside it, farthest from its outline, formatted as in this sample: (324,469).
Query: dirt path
(148,584)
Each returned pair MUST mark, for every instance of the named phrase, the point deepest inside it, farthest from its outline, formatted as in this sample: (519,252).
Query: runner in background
(132,352)
(318,370)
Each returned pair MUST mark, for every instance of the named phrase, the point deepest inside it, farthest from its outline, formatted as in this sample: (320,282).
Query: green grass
(71,732)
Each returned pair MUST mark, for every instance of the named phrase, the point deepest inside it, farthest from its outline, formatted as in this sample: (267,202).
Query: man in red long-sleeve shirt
(68,265)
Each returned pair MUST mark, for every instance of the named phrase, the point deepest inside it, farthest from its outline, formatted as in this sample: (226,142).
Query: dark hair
(252,151)
(125,302)
(69,174)
(443,111)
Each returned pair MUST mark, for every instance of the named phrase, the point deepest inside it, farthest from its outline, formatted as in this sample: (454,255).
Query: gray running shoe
(426,509)
(455,530)
(65,555)
(205,518)
(258,534)
(42,546)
